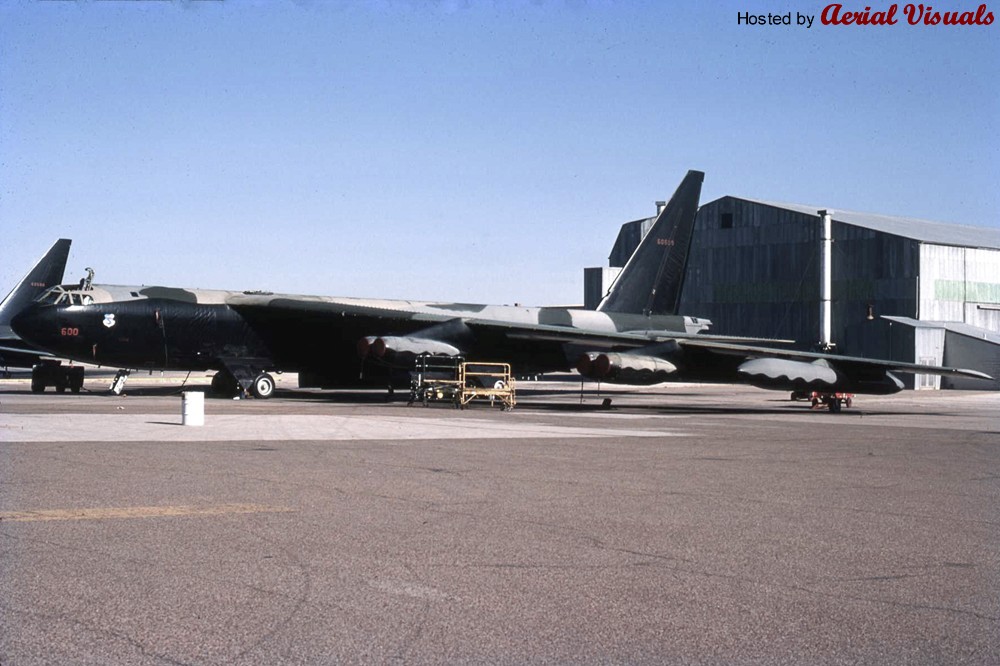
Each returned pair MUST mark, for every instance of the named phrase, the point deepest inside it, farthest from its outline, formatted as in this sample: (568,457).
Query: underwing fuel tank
(625,368)
(403,349)
(779,373)
(783,373)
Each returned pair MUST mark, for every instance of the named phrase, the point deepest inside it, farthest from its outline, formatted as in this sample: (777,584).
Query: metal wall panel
(761,276)
(982,274)
(953,277)
(928,349)
(757,277)
(942,283)
(596,282)
(963,351)
(983,315)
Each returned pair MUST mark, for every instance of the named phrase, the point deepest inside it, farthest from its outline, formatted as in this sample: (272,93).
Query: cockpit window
(60,295)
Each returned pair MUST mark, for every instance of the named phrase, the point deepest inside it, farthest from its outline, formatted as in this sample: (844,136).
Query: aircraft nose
(29,324)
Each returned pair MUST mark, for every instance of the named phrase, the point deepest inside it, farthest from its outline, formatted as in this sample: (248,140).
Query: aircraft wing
(617,339)
(395,333)
(750,352)
(12,347)
(281,304)
(13,356)
(650,358)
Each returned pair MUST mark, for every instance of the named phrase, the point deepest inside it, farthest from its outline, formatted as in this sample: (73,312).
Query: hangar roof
(939,233)
(953,326)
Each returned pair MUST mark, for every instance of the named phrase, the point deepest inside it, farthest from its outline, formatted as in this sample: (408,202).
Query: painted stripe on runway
(136,512)
(399,427)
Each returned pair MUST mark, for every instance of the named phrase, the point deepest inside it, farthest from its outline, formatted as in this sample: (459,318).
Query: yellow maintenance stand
(452,379)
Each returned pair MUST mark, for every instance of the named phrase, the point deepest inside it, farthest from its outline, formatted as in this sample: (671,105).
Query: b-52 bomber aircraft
(635,336)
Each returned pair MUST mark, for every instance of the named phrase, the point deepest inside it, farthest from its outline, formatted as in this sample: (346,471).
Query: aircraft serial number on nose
(69,331)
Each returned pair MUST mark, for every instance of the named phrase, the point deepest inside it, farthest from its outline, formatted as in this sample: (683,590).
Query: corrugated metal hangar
(902,289)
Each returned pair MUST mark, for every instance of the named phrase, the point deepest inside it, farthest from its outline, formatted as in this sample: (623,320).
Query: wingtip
(976,374)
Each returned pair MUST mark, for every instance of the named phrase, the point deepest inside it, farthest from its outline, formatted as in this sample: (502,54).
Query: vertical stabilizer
(48,272)
(652,279)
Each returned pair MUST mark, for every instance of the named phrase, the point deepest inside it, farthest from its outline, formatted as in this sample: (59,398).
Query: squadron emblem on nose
(109,320)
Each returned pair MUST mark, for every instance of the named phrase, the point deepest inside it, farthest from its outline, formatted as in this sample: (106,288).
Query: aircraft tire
(263,386)
(224,384)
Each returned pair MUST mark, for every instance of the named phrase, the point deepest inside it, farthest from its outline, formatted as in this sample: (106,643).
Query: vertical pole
(825,279)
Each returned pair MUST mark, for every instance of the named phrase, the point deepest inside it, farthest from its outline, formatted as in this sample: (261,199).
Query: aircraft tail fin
(48,272)
(652,279)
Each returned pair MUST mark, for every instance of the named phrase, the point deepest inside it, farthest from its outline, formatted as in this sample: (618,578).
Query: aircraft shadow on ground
(652,410)
(688,409)
(593,402)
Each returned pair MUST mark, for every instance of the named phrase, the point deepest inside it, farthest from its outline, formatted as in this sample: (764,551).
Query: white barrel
(192,408)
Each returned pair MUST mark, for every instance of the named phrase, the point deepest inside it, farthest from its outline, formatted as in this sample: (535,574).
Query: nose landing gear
(263,386)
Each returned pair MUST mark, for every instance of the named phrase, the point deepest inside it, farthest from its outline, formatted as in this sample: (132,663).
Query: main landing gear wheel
(263,386)
(224,384)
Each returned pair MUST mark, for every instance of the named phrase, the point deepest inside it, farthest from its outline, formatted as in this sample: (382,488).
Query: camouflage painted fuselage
(190,329)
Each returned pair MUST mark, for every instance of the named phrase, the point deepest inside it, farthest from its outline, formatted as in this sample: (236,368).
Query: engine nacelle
(403,349)
(585,364)
(625,368)
(782,373)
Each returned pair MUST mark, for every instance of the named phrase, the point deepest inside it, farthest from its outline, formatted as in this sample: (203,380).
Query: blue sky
(472,151)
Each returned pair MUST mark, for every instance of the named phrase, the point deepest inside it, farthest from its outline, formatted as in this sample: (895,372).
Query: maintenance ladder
(452,379)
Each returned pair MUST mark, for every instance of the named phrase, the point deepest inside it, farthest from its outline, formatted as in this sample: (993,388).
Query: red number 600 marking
(69,331)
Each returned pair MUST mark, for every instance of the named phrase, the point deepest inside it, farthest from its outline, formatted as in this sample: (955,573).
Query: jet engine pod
(585,364)
(365,346)
(399,350)
(781,373)
(631,369)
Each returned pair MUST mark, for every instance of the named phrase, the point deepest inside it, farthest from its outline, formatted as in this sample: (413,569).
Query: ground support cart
(452,380)
(435,379)
(487,381)
(832,401)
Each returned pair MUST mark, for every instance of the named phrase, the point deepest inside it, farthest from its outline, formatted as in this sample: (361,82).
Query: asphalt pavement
(680,524)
